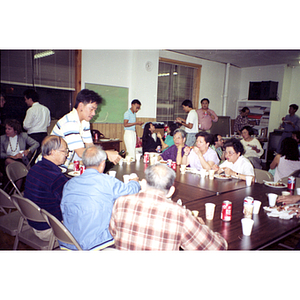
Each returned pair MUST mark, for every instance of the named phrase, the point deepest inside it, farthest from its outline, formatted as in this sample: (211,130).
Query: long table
(195,192)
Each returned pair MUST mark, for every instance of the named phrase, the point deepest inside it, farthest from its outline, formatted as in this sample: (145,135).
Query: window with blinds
(176,82)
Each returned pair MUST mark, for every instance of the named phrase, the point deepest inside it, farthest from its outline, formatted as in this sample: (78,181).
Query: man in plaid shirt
(150,221)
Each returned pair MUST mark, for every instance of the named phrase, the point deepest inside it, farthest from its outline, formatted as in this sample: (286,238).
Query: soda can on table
(82,169)
(226,210)
(291,183)
(158,149)
(248,200)
(96,136)
(76,165)
(146,158)
(169,163)
(174,165)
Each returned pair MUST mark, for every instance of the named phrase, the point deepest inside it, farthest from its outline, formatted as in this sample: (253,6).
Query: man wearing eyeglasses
(45,181)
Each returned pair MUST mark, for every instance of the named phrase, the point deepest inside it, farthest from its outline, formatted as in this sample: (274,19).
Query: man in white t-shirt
(191,122)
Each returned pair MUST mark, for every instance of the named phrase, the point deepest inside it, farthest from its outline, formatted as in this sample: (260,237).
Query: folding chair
(28,166)
(261,175)
(15,171)
(10,220)
(30,211)
(59,229)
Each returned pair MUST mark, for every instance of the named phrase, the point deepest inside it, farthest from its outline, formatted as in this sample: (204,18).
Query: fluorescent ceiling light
(43,54)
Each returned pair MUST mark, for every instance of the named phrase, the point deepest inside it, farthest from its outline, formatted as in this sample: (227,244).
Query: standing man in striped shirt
(129,127)
(74,127)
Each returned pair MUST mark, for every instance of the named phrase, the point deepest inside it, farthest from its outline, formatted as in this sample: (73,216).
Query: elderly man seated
(151,221)
(88,200)
(45,181)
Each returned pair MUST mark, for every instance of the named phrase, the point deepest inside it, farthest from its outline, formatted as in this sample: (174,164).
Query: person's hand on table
(228,171)
(216,168)
(295,210)
(113,156)
(135,179)
(290,199)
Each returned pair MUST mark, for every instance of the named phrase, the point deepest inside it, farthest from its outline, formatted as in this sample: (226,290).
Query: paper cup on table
(138,156)
(211,174)
(112,173)
(298,191)
(272,199)
(202,173)
(209,211)
(128,159)
(126,178)
(247,225)
(132,175)
(285,193)
(195,213)
(182,169)
(121,161)
(248,180)
(256,208)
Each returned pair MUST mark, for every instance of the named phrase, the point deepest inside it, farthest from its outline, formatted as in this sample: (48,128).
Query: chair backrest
(16,171)
(59,229)
(261,175)
(32,157)
(28,209)
(5,201)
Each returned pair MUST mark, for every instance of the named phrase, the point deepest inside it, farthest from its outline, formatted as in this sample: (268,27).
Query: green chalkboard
(114,105)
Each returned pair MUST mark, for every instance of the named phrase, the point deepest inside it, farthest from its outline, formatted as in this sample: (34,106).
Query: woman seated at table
(148,142)
(176,151)
(286,161)
(169,141)
(235,164)
(14,143)
(201,156)
(252,146)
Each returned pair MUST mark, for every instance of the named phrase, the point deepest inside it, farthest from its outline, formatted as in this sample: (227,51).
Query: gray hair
(51,142)
(160,177)
(93,156)
(183,133)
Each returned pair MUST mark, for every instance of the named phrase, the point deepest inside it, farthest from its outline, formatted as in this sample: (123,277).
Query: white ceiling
(247,58)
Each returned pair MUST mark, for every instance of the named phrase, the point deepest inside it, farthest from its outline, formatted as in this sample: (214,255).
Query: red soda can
(174,165)
(291,183)
(169,163)
(82,169)
(226,210)
(248,200)
(76,165)
(146,158)
(96,136)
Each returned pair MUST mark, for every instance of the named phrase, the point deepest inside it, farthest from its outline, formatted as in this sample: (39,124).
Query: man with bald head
(45,181)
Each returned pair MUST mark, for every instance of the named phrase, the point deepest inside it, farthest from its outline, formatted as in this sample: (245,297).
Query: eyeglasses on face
(229,153)
(67,151)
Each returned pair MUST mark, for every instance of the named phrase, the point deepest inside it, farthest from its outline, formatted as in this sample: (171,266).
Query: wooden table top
(266,230)
(195,191)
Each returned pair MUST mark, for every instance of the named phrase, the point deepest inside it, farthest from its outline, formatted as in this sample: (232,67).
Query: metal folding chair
(30,211)
(15,171)
(59,229)
(261,175)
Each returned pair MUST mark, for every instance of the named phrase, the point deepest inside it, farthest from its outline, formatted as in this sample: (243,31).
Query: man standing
(290,123)
(129,127)
(88,200)
(37,117)
(45,181)
(150,221)
(206,116)
(191,122)
(74,127)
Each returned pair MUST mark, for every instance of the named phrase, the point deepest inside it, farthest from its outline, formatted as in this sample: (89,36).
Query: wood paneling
(78,55)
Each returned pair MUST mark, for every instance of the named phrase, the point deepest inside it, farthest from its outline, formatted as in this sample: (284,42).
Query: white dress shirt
(37,118)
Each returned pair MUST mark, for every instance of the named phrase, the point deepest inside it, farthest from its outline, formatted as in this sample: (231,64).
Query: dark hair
(204,100)
(30,93)
(136,101)
(289,149)
(249,129)
(294,106)
(188,103)
(147,133)
(87,96)
(207,137)
(297,133)
(49,143)
(244,109)
(173,126)
(236,145)
(15,124)
(215,137)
